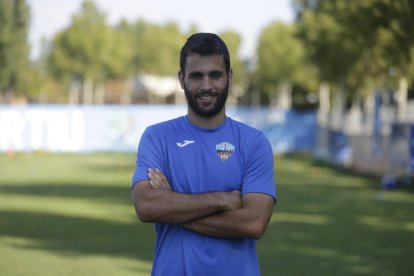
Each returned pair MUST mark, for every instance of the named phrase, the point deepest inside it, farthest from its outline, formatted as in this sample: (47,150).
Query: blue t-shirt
(197,160)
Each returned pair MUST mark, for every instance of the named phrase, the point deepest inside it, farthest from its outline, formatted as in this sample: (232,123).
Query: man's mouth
(206,99)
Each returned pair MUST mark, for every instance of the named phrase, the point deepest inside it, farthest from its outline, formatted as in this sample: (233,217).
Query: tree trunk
(402,99)
(99,94)
(74,93)
(324,104)
(87,89)
(126,93)
(285,97)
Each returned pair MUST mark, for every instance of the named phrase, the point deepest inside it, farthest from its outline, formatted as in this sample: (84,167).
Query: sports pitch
(64,214)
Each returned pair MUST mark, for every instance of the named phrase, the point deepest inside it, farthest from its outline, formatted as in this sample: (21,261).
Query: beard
(210,112)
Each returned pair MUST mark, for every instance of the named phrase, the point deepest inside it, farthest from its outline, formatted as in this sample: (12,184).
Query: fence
(375,142)
(69,128)
(387,148)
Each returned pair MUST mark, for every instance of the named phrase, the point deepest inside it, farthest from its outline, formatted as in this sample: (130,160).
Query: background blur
(330,83)
(340,72)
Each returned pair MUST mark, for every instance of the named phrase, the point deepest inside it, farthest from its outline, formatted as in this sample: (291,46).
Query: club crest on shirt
(224,150)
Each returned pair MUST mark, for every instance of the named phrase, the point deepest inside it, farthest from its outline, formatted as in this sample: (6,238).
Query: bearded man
(204,179)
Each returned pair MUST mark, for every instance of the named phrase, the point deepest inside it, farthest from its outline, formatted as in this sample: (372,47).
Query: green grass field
(68,214)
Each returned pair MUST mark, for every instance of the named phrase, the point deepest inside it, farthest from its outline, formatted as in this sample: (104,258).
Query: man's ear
(181,78)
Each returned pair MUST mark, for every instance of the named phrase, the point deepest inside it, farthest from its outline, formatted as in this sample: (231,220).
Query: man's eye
(216,75)
(195,76)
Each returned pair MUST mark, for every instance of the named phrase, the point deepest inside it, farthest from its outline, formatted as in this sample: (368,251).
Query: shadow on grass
(332,222)
(338,246)
(107,193)
(75,235)
(327,222)
(128,168)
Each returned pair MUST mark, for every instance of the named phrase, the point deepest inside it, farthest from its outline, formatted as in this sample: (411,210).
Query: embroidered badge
(224,150)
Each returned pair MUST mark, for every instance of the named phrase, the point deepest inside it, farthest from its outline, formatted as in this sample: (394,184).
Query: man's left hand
(158,180)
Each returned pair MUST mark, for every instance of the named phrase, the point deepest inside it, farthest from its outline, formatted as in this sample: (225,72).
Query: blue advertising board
(340,148)
(87,128)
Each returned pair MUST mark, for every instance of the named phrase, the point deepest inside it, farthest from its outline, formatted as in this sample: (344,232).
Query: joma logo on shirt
(224,150)
(185,143)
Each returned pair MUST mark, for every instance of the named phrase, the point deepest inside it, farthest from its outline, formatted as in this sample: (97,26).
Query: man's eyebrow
(195,74)
(216,72)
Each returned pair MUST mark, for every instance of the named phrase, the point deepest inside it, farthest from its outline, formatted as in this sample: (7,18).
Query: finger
(161,174)
(156,184)
(162,179)
(150,173)
(158,180)
(153,184)
(153,181)
(157,176)
(154,174)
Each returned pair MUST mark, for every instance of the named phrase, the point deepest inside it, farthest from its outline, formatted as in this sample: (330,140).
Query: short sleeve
(259,174)
(148,156)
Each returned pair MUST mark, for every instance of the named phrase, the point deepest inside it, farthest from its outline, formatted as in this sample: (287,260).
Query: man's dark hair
(204,44)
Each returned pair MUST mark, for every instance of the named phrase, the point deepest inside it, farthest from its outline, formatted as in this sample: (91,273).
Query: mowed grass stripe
(69,214)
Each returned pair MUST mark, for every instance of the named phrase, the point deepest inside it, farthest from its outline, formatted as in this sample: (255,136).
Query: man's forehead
(196,61)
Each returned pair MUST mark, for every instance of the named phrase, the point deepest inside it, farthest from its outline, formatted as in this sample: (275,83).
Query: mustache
(206,94)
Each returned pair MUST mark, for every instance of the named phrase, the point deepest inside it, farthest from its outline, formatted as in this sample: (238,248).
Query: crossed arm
(218,214)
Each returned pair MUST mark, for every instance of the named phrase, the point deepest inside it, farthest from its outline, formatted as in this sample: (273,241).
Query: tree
(14,48)
(233,41)
(155,48)
(282,61)
(358,44)
(89,51)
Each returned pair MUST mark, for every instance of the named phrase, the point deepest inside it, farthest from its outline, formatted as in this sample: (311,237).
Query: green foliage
(356,44)
(282,59)
(353,45)
(89,48)
(233,41)
(155,48)
(14,49)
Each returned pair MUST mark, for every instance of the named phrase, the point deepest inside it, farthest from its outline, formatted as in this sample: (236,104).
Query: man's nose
(206,84)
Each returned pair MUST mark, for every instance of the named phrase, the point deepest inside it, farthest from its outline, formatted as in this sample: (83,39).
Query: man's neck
(207,122)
